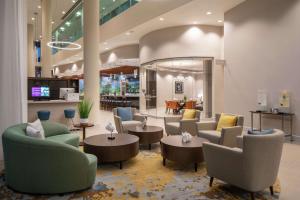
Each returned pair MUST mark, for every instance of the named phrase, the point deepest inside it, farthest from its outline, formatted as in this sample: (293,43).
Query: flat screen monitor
(40,92)
(64,91)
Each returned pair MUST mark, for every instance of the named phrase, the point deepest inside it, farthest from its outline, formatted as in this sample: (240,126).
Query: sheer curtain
(13,64)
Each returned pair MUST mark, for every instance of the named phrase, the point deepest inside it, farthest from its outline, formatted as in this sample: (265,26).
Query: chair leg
(271,190)
(211,181)
(252,195)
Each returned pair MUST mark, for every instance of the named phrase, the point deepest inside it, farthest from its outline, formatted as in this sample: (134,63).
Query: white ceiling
(190,13)
(57,7)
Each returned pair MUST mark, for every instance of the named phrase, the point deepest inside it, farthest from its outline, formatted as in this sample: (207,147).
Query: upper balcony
(71,29)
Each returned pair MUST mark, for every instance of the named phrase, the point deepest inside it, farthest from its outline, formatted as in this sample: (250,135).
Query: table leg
(164,162)
(196,167)
(149,146)
(121,165)
(83,133)
(259,121)
(252,121)
(291,124)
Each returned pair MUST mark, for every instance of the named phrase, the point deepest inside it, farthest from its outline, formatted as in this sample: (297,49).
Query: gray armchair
(175,125)
(122,126)
(253,168)
(226,137)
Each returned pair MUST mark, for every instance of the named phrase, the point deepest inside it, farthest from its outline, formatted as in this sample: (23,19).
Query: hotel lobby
(143,99)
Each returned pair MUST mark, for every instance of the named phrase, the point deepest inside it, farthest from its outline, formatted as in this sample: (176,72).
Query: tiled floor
(289,172)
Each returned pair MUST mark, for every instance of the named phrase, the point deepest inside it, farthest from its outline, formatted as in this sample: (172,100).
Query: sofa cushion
(226,121)
(53,128)
(189,114)
(35,129)
(71,139)
(128,124)
(262,132)
(211,135)
(125,113)
(173,128)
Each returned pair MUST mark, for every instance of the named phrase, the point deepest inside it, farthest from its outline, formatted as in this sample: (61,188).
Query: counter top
(52,102)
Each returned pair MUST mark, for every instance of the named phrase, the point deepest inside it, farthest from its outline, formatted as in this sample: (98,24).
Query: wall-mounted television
(40,92)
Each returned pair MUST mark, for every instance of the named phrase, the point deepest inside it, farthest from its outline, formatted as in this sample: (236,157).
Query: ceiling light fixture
(73,1)
(195,22)
(106,48)
(39,6)
(161,19)
(52,22)
(63,12)
(105,43)
(220,21)
(70,45)
(208,13)
(32,18)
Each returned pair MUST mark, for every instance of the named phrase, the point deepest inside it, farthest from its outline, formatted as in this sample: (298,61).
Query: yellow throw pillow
(189,114)
(226,121)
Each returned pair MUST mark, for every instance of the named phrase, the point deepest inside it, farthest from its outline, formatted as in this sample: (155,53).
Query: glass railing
(71,29)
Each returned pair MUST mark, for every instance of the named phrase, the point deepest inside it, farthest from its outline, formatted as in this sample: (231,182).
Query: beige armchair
(226,137)
(253,168)
(122,126)
(175,125)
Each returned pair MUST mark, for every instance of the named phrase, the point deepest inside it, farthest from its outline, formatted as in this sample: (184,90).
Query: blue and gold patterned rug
(144,177)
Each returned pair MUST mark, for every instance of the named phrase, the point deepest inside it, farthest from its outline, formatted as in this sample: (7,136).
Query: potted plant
(84,108)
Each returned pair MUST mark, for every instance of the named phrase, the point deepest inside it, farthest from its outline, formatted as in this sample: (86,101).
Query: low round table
(147,135)
(83,127)
(122,148)
(172,148)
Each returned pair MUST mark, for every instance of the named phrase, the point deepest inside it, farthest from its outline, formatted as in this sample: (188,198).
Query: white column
(91,55)
(13,64)
(46,37)
(30,51)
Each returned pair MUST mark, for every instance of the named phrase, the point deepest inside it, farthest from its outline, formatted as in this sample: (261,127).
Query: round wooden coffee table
(122,148)
(147,135)
(172,148)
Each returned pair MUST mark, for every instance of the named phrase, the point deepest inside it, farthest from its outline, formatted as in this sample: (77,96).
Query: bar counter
(56,108)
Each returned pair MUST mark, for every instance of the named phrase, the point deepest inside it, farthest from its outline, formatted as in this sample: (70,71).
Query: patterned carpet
(144,177)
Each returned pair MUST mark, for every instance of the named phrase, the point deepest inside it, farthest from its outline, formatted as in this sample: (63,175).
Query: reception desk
(56,107)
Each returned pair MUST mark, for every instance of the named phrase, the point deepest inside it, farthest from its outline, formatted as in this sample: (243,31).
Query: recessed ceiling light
(63,12)
(208,13)
(195,22)
(105,43)
(103,8)
(39,6)
(161,19)
(68,23)
(220,21)
(127,33)
(52,22)
(73,1)
(32,18)
(40,36)
(106,48)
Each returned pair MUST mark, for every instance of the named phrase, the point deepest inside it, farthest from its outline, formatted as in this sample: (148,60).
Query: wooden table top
(176,141)
(147,129)
(103,141)
(84,125)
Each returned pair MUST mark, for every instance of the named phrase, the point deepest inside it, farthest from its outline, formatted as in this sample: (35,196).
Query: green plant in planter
(184,98)
(84,108)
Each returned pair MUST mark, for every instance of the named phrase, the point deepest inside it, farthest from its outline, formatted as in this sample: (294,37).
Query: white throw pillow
(35,129)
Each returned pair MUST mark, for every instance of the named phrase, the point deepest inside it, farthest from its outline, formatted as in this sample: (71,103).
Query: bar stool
(70,114)
(43,115)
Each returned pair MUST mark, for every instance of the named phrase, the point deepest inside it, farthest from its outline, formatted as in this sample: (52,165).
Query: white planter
(84,120)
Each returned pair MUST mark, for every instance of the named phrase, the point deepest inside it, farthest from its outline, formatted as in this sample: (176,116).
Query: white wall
(123,52)
(182,41)
(262,52)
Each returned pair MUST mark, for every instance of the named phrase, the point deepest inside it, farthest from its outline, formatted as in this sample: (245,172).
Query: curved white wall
(182,41)
(123,52)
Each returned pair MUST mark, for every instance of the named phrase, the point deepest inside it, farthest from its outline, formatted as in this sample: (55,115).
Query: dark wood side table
(83,127)
(172,148)
(282,117)
(123,147)
(147,135)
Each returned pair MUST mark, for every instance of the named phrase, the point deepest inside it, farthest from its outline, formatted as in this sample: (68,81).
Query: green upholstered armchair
(50,166)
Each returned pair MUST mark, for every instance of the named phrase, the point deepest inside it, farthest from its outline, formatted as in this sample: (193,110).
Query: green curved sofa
(51,166)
